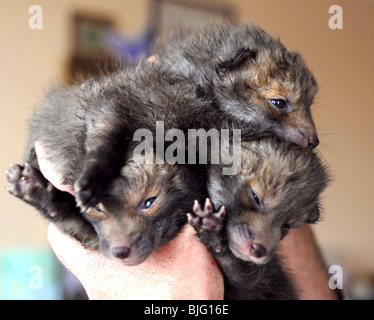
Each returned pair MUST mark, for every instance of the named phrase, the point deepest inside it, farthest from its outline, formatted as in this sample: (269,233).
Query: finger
(48,171)
(70,252)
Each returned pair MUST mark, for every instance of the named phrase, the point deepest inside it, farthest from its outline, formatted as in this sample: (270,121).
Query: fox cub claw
(208,223)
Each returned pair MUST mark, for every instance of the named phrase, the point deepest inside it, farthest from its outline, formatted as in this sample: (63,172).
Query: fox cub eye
(255,198)
(279,103)
(100,211)
(148,203)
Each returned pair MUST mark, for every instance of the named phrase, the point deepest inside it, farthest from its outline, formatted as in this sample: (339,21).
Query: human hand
(182,269)
(48,171)
(301,256)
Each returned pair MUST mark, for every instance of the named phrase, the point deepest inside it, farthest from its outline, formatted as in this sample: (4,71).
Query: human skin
(302,257)
(182,269)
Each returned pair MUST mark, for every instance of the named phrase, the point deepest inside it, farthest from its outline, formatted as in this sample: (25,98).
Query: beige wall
(342,61)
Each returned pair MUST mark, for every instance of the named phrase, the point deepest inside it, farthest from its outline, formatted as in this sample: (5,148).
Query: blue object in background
(129,49)
(29,274)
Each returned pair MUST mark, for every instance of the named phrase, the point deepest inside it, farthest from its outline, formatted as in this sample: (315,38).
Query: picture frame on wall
(171,14)
(88,56)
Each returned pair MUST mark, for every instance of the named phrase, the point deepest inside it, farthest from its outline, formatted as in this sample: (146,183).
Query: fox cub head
(259,81)
(277,189)
(145,207)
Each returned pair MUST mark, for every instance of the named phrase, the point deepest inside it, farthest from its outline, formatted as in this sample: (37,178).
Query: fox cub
(249,76)
(278,188)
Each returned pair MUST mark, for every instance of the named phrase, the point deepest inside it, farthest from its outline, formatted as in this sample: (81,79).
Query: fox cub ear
(238,59)
(314,215)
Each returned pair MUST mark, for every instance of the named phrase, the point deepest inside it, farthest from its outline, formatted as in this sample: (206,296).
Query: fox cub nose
(313,141)
(258,250)
(121,252)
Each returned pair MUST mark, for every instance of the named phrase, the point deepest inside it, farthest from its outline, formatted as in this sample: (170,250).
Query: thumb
(103,278)
(70,252)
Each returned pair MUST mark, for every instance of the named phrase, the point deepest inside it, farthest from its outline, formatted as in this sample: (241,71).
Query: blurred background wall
(342,61)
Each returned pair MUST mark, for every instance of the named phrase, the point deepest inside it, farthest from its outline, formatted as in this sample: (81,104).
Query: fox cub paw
(89,189)
(208,223)
(26,183)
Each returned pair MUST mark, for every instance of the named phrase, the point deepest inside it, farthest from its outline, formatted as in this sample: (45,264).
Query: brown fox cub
(278,188)
(250,77)
(125,209)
